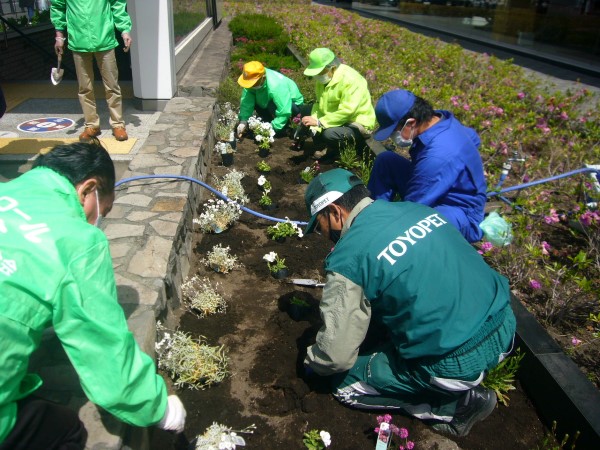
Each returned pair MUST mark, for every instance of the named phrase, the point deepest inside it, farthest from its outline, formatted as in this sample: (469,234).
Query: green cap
(325,189)
(318,60)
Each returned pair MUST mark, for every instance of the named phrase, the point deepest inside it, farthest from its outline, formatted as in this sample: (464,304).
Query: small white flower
(326,438)
(270,257)
(261,180)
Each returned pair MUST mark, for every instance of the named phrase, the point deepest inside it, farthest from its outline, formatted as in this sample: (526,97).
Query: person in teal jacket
(343,113)
(413,317)
(275,97)
(56,271)
(91,35)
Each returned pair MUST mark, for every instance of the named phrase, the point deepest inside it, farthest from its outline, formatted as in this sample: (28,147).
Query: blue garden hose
(592,169)
(211,189)
(545,180)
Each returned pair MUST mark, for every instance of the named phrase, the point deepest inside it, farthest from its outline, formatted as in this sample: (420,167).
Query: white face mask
(399,140)
(323,78)
(99,216)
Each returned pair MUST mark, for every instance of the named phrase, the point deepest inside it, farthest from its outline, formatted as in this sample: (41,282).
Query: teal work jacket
(56,270)
(90,24)
(403,267)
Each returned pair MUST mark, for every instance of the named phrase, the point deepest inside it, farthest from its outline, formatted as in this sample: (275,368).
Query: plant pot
(271,207)
(227,159)
(217,269)
(298,312)
(263,152)
(280,274)
(217,229)
(302,181)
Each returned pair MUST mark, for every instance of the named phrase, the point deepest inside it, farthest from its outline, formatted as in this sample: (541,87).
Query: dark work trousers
(268,114)
(42,425)
(336,138)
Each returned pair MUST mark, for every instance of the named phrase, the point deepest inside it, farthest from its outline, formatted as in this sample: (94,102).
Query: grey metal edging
(556,385)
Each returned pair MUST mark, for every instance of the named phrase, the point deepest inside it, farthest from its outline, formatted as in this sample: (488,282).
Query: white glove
(241,128)
(174,418)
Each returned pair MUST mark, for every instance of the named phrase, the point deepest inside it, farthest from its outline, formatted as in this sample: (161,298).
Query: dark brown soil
(266,346)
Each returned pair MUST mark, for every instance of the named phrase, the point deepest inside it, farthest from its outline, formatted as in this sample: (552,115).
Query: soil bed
(266,346)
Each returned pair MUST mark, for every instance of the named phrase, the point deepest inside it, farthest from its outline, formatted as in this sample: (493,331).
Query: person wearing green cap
(413,317)
(343,113)
(274,96)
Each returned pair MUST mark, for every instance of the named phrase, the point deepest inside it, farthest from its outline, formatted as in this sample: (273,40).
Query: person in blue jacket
(445,170)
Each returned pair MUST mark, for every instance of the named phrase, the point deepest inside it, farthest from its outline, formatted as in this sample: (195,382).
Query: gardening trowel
(56,74)
(306,282)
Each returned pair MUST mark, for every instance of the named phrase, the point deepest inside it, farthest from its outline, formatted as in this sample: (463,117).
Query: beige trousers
(107,63)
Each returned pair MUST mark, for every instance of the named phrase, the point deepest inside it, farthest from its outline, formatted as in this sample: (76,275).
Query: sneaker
(473,407)
(120,134)
(89,133)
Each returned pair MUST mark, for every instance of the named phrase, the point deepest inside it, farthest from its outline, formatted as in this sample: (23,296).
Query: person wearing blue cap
(343,112)
(445,170)
(413,317)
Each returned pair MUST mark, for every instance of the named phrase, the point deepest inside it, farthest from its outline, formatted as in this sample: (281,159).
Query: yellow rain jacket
(56,270)
(345,100)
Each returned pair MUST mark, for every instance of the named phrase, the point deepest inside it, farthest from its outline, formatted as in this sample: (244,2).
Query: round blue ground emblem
(46,124)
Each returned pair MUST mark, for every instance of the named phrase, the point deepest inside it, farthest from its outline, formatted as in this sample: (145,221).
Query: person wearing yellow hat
(273,96)
(343,113)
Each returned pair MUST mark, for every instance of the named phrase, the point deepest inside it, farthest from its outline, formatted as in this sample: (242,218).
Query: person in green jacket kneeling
(273,96)
(56,271)
(343,114)
(413,317)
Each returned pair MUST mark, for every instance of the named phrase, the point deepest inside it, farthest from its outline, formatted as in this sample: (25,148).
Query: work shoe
(89,133)
(473,407)
(120,134)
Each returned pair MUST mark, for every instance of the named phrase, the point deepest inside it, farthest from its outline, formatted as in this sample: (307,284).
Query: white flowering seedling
(284,229)
(264,135)
(218,215)
(222,437)
(190,362)
(201,298)
(230,185)
(220,260)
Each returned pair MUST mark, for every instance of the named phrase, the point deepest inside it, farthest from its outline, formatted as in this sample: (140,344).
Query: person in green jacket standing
(343,113)
(275,97)
(91,35)
(56,271)
(413,317)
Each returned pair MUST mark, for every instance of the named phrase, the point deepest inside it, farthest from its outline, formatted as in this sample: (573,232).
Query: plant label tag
(383,438)
(238,440)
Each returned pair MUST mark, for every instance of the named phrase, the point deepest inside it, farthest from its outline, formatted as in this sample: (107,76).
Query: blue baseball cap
(391,107)
(325,189)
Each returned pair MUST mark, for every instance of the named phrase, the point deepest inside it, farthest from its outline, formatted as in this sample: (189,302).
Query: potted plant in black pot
(226,151)
(276,265)
(298,308)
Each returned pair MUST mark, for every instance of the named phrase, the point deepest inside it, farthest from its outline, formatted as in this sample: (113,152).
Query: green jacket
(344,100)
(416,276)
(90,24)
(56,270)
(280,90)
